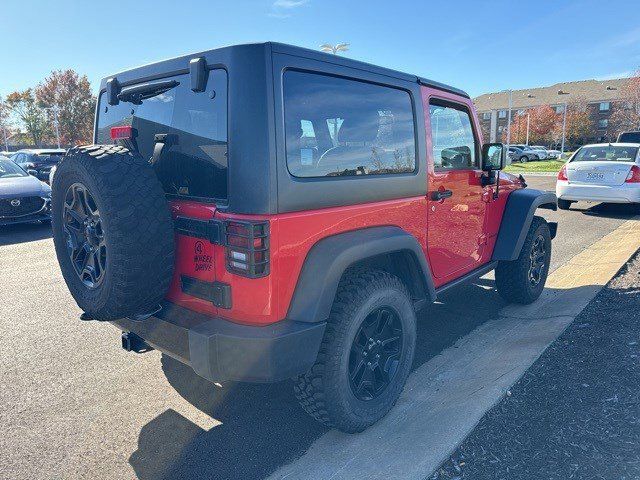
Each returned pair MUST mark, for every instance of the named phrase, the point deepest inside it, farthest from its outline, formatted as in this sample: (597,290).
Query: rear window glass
(339,127)
(609,153)
(194,163)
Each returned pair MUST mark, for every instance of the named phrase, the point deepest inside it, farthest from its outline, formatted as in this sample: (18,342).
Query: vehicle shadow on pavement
(620,211)
(22,233)
(262,427)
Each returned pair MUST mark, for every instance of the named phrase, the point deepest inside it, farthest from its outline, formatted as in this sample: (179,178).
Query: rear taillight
(247,248)
(122,133)
(562,174)
(634,175)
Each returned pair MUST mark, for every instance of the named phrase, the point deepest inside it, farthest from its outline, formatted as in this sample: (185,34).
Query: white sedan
(605,172)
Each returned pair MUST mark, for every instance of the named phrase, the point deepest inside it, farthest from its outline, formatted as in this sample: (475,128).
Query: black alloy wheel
(84,234)
(537,263)
(375,354)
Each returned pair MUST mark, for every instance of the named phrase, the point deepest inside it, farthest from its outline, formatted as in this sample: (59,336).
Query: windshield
(606,153)
(8,169)
(194,164)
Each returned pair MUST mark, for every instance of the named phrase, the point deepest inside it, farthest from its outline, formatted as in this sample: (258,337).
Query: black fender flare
(516,220)
(328,259)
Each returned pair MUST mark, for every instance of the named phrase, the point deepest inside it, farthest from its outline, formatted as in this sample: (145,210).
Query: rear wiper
(137,93)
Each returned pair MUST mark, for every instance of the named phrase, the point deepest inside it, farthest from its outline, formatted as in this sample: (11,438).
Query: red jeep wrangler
(264,212)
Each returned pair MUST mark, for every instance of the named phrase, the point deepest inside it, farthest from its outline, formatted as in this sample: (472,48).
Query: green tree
(25,108)
(69,94)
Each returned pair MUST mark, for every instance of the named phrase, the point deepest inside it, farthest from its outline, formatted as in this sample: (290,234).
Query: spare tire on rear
(113,231)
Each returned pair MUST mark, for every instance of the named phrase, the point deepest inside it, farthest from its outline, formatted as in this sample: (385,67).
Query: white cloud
(289,3)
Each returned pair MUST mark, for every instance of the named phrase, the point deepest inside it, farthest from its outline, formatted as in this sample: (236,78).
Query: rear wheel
(564,204)
(522,280)
(524,159)
(365,356)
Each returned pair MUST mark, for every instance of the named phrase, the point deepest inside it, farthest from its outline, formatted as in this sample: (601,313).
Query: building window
(559,109)
(486,116)
(502,114)
(500,128)
(604,106)
(603,123)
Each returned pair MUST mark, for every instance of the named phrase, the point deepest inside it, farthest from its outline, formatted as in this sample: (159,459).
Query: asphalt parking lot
(75,405)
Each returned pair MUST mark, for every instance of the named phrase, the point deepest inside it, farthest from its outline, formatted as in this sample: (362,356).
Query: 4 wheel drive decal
(203,262)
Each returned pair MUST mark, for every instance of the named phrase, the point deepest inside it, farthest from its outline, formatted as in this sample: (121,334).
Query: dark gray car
(23,198)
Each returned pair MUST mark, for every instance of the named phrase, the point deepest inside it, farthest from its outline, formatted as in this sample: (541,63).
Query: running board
(469,277)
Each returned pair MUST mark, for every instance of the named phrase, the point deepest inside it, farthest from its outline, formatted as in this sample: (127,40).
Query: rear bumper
(220,350)
(626,193)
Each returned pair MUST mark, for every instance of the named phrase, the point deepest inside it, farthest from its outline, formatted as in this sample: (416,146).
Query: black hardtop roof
(180,65)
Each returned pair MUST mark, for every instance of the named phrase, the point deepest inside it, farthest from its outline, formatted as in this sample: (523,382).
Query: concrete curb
(446,397)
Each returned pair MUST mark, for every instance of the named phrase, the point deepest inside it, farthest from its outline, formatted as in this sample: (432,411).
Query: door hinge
(212,230)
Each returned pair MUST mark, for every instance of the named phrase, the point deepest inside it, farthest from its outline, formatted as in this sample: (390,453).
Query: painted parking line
(446,397)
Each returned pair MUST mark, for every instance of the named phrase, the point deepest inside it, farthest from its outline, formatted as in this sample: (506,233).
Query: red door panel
(455,224)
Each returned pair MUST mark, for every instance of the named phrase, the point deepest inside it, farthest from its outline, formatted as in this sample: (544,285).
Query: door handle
(441,194)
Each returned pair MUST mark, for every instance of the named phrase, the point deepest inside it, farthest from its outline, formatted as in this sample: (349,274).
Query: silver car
(604,172)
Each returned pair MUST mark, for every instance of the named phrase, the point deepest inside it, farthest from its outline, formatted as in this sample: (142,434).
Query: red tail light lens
(247,248)
(122,133)
(562,174)
(634,175)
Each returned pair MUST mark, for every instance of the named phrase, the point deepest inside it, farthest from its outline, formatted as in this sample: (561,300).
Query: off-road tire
(324,392)
(136,225)
(564,204)
(512,277)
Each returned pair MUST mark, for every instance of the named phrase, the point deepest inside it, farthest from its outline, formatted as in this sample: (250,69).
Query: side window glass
(453,142)
(340,127)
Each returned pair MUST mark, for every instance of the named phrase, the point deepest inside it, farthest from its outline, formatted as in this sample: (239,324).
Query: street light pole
(54,109)
(510,104)
(339,47)
(564,127)
(564,121)
(4,128)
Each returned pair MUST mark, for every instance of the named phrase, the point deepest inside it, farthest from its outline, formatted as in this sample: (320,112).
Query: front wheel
(365,356)
(522,280)
(524,159)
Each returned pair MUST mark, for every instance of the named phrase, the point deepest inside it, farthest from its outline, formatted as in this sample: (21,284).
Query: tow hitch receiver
(133,343)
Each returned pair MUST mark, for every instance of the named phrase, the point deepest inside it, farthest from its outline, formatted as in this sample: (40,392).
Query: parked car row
(38,162)
(528,153)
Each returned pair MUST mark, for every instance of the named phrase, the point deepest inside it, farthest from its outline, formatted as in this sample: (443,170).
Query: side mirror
(493,157)
(32,172)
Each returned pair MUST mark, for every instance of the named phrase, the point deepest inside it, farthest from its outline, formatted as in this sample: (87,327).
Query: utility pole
(527,127)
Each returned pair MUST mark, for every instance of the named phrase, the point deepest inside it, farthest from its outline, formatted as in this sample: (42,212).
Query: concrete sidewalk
(445,398)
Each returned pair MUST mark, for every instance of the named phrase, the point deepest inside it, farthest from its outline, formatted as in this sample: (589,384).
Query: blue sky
(478,46)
